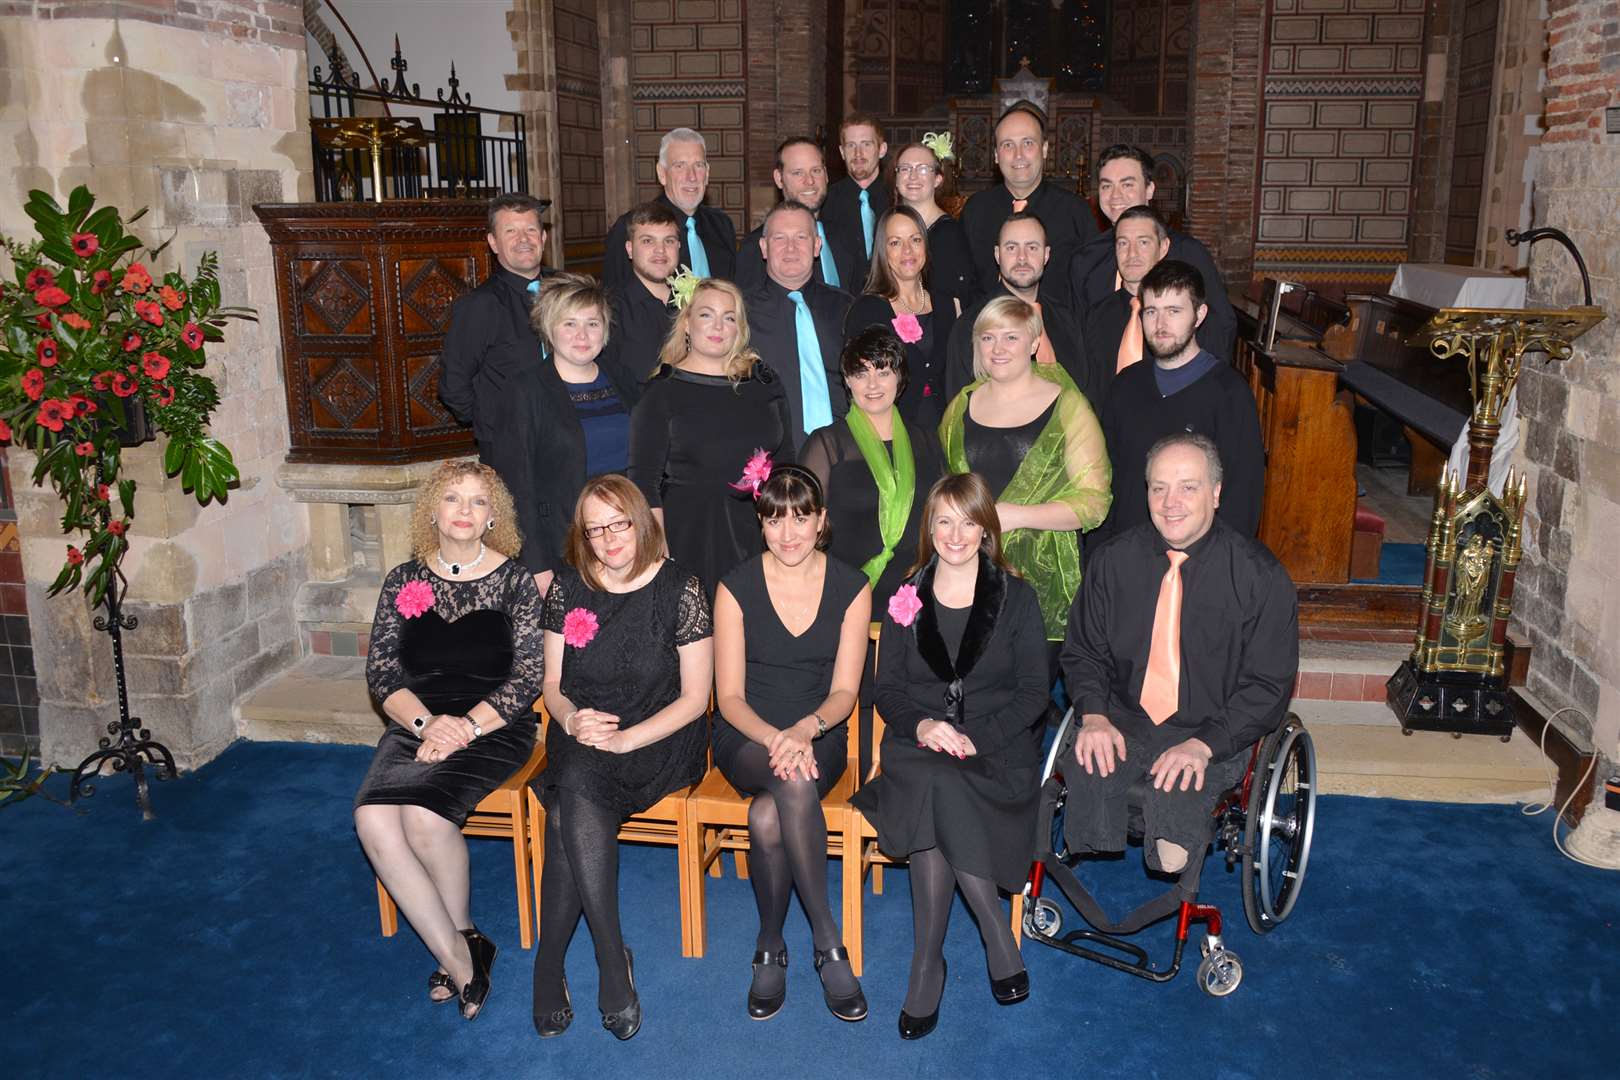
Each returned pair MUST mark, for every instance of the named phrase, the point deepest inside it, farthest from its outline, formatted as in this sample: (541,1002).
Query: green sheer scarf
(896,482)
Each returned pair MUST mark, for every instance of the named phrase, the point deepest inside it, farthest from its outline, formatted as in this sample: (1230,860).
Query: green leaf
(79,203)
(126,497)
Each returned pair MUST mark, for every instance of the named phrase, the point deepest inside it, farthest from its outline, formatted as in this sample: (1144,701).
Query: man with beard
(1022,256)
(642,312)
(708,237)
(1124,181)
(1020,154)
(1114,325)
(854,203)
(801,176)
(1185,388)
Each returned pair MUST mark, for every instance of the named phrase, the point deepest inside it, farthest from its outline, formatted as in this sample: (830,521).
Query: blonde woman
(455,663)
(708,408)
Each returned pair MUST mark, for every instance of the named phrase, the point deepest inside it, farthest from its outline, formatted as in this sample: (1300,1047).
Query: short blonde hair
(504,537)
(740,364)
(562,295)
(1002,313)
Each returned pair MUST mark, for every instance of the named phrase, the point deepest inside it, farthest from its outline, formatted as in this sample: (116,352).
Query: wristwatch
(821,725)
(478,732)
(421,722)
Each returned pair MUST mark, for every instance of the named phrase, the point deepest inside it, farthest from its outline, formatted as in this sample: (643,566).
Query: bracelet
(821,725)
(565,720)
(420,722)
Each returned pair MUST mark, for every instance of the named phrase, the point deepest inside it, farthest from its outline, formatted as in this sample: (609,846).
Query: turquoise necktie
(533,288)
(812,375)
(868,220)
(829,269)
(694,248)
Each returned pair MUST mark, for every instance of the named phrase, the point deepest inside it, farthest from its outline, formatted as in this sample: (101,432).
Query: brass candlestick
(370,133)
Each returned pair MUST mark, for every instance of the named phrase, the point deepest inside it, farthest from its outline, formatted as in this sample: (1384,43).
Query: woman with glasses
(628,661)
(919,175)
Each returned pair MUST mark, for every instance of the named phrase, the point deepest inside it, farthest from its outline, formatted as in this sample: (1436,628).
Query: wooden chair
(500,814)
(718,822)
(665,822)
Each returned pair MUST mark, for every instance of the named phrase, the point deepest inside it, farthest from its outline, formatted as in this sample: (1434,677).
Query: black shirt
(841,213)
(751,265)
(923,402)
(950,263)
(1239,637)
(771,322)
(996,452)
(714,228)
(1068,220)
(641,321)
(1094,268)
(1106,323)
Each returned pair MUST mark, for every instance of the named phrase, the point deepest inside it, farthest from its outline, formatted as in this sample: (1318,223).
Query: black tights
(581,873)
(787,839)
(933,881)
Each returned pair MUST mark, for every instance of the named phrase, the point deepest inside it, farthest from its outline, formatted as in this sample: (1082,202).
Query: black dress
(690,436)
(923,402)
(480,641)
(789,677)
(852,499)
(991,684)
(629,668)
(950,263)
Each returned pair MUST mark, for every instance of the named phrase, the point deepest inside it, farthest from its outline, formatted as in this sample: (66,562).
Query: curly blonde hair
(504,537)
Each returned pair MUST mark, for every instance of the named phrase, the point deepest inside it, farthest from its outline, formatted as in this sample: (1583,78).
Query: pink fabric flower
(755,473)
(904,605)
(907,326)
(414,598)
(579,627)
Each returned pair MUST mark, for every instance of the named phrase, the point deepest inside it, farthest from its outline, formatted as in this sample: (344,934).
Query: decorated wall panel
(897,56)
(579,122)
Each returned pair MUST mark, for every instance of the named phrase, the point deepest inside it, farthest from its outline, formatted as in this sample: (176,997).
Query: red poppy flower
(84,449)
(122,384)
(148,310)
(192,335)
(82,406)
(50,296)
(117,527)
(45,353)
(74,556)
(172,299)
(43,321)
(132,369)
(100,282)
(33,383)
(156,365)
(102,492)
(85,244)
(132,341)
(38,278)
(135,279)
(165,394)
(53,414)
(99,381)
(5,431)
(75,320)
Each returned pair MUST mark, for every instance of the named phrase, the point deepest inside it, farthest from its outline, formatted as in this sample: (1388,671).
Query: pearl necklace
(456,568)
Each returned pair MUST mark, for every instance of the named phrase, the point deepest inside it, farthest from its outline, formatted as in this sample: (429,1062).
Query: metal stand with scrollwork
(1455,679)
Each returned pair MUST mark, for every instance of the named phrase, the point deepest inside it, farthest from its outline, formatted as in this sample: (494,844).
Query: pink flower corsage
(907,326)
(755,473)
(414,598)
(579,627)
(904,605)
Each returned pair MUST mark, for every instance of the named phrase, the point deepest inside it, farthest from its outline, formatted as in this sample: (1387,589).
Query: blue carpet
(236,936)
(1399,564)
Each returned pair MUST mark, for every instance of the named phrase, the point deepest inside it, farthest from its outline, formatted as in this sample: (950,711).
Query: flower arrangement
(682,286)
(414,598)
(904,605)
(755,472)
(90,343)
(579,627)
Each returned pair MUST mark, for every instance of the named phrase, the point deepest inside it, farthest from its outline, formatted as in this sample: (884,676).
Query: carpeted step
(1366,759)
(321,699)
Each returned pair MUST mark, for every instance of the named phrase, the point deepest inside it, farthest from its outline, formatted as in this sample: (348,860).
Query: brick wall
(787,88)
(1224,125)
(579,122)
(1568,598)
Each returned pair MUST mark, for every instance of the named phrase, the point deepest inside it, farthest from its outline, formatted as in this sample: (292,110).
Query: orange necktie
(1118,282)
(1161,686)
(1044,353)
(1130,345)
(1019,204)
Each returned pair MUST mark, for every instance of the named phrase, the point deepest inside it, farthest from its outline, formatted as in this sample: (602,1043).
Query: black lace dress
(629,668)
(479,641)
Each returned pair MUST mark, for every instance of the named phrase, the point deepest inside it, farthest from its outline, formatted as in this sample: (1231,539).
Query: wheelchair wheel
(1278,825)
(1062,744)
(1220,973)
(1043,918)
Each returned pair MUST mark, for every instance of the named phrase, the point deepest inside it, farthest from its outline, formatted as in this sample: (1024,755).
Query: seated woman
(790,628)
(962,686)
(628,667)
(1031,435)
(455,661)
(898,296)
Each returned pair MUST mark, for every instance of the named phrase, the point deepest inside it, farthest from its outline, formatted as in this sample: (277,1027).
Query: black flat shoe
(627,1021)
(556,1022)
(439,980)
(476,992)
(850,1007)
(762,1006)
(915,1027)
(1011,990)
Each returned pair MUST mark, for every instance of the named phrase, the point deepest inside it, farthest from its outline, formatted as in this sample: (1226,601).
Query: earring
(433,521)
(490,525)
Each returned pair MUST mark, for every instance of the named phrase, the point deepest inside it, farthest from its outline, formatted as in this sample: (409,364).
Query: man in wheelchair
(1181,653)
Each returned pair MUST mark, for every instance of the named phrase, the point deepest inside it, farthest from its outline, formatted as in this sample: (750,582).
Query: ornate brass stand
(1455,679)
(370,133)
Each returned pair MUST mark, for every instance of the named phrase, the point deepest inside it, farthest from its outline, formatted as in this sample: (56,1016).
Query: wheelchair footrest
(1126,957)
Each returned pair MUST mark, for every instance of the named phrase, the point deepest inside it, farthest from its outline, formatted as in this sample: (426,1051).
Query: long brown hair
(879,281)
(626,498)
(972,496)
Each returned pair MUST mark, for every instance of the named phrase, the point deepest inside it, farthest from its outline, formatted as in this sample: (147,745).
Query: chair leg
(854,919)
(387,910)
(536,825)
(697,909)
(520,862)
(687,853)
(742,863)
(1018,920)
(877,880)
(715,869)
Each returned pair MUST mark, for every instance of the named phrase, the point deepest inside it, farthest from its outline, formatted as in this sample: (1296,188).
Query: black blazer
(714,228)
(1073,355)
(775,337)
(751,265)
(1091,276)
(924,399)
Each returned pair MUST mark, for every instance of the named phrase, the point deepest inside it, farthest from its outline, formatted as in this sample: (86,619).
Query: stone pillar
(787,88)
(1515,135)
(1224,122)
(618,120)
(1437,126)
(196,111)
(535,80)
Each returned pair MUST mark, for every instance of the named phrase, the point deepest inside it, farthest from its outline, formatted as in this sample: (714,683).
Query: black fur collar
(989,595)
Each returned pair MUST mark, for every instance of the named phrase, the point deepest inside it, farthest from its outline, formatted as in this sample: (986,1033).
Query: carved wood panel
(335,298)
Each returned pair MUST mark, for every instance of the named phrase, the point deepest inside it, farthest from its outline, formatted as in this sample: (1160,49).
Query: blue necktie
(829,269)
(868,220)
(812,375)
(694,248)
(533,288)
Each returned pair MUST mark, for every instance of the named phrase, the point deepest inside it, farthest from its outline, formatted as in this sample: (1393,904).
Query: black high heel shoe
(556,1022)
(765,1006)
(627,1021)
(476,992)
(915,1027)
(439,980)
(1011,990)
(850,1007)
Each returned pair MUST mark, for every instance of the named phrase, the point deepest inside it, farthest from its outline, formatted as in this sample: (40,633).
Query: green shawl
(896,482)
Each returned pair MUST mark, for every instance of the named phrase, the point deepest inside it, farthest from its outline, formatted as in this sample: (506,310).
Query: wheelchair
(1264,824)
